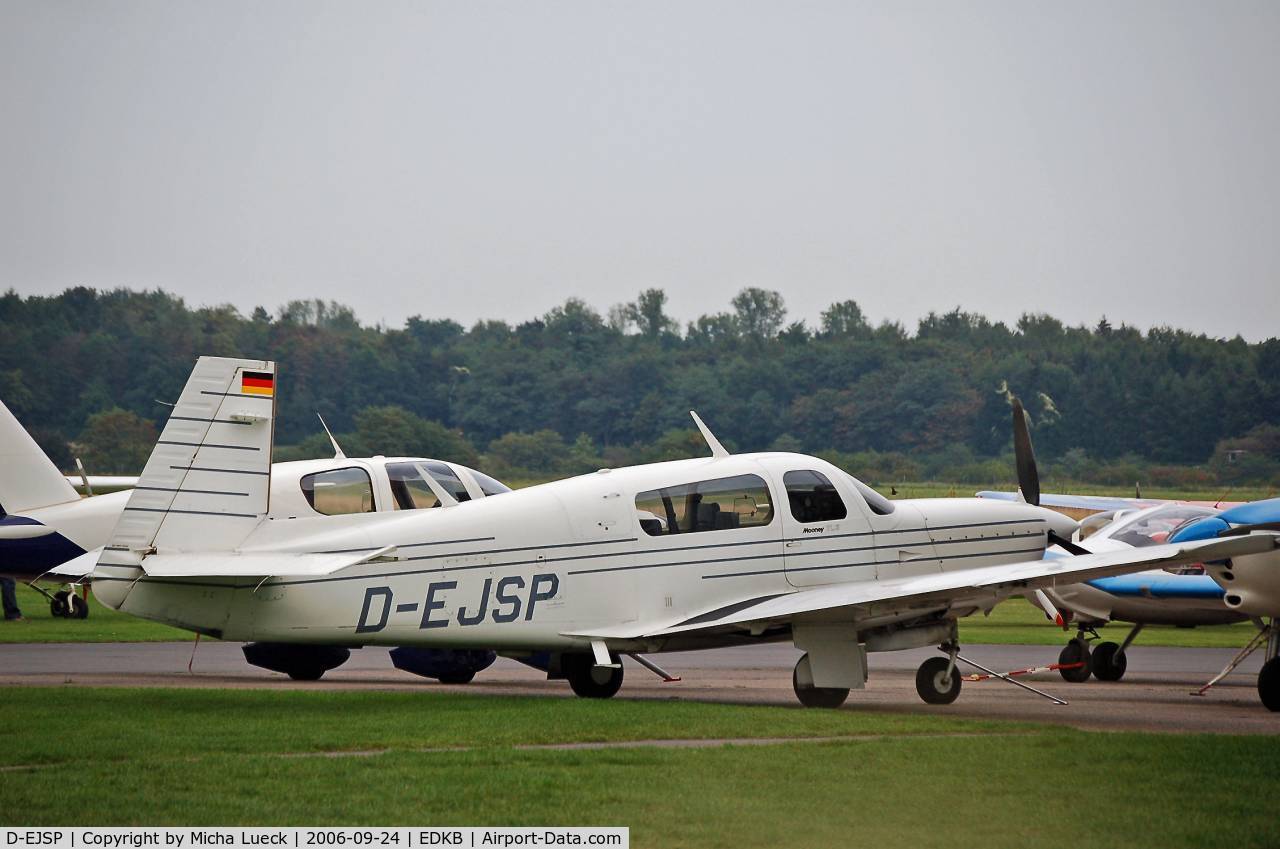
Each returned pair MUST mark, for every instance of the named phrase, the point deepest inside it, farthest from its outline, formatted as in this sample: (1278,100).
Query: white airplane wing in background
(102,484)
(943,588)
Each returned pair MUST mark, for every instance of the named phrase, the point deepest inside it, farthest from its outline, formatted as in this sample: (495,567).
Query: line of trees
(575,389)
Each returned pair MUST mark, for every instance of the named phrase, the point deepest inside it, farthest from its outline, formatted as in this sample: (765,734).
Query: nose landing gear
(1074,659)
(938,681)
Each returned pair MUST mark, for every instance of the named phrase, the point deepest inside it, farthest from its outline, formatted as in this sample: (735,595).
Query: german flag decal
(258,383)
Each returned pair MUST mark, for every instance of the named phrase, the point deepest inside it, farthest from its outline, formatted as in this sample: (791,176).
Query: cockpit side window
(715,505)
(409,488)
(339,491)
(445,476)
(1155,527)
(812,497)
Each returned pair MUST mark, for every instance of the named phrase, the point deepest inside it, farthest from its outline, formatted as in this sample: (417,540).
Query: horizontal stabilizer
(224,565)
(75,568)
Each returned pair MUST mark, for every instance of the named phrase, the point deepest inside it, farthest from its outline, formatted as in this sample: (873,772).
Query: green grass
(213,757)
(103,625)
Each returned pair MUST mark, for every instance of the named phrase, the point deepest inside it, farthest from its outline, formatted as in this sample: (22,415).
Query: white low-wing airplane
(698,553)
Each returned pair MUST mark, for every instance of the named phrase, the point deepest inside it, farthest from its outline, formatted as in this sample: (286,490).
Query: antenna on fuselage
(337,449)
(717,450)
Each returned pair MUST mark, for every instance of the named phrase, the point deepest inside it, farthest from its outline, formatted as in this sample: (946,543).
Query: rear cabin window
(716,505)
(813,498)
(338,492)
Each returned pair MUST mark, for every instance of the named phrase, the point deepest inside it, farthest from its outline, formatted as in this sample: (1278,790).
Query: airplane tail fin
(28,477)
(208,481)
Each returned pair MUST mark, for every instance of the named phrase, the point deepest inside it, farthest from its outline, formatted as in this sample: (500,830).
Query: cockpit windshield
(878,503)
(488,485)
(411,490)
(1153,528)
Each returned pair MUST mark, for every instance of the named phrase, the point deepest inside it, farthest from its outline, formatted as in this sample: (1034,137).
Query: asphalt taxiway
(1154,696)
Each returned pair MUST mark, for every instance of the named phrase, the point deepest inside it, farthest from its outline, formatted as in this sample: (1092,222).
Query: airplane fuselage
(526,570)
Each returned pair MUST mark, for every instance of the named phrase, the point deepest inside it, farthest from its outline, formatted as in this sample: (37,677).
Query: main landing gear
(1269,675)
(1106,662)
(938,680)
(590,680)
(811,696)
(65,603)
(300,662)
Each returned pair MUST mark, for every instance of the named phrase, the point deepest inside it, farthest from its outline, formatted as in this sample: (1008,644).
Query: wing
(981,583)
(1091,503)
(102,484)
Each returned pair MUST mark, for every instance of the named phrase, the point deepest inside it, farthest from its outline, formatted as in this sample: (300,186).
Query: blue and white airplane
(1185,595)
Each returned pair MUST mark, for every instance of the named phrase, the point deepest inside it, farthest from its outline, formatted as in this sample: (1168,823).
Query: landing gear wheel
(1269,684)
(588,680)
(932,683)
(79,607)
(816,697)
(1108,662)
(458,677)
(1076,651)
(60,607)
(306,673)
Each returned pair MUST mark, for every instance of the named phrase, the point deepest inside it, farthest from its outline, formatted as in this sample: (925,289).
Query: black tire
(590,681)
(306,673)
(59,607)
(458,677)
(1075,651)
(1108,662)
(817,697)
(1269,684)
(79,607)
(929,682)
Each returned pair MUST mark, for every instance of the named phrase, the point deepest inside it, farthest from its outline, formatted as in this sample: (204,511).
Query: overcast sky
(489,160)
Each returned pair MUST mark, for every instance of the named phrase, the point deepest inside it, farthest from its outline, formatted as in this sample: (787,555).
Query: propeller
(1029,478)
(1025,456)
(1066,544)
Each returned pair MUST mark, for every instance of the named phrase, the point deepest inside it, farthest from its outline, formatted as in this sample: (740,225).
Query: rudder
(28,478)
(207,483)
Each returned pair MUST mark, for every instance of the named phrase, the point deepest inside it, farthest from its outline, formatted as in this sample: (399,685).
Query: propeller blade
(1025,456)
(1067,545)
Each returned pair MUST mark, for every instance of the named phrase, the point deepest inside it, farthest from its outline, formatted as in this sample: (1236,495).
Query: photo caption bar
(141,837)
